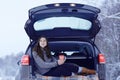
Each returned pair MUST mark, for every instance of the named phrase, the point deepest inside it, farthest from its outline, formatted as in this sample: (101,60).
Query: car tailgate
(77,77)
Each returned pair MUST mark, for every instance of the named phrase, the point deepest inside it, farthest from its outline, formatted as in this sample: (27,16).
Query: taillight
(101,58)
(25,60)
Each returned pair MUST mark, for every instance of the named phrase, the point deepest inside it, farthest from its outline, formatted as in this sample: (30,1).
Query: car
(71,29)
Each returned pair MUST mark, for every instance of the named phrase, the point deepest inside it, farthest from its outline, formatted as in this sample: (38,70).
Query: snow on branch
(114,16)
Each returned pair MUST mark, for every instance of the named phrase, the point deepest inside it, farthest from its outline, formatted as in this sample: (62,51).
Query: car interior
(81,55)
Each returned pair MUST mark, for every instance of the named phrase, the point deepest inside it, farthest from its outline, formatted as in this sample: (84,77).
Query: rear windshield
(71,22)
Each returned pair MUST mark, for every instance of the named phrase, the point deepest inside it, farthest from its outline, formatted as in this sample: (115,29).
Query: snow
(7,78)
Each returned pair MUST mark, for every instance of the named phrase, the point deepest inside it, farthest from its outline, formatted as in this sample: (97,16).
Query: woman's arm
(42,64)
(53,58)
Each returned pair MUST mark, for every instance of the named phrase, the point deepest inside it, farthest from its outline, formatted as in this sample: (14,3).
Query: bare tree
(109,37)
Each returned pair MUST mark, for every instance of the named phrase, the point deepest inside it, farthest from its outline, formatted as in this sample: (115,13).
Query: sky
(13,15)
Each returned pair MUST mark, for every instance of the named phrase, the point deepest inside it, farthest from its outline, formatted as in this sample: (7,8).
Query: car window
(72,22)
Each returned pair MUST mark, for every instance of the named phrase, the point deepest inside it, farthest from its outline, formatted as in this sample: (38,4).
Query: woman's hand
(60,62)
(61,59)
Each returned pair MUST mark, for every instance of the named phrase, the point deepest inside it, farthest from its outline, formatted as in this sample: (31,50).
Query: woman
(47,65)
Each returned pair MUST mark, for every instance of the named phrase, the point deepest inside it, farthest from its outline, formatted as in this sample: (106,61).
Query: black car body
(71,29)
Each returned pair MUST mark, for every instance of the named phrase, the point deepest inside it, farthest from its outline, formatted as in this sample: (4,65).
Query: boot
(87,71)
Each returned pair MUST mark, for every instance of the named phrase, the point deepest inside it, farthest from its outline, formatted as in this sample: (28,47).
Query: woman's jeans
(63,70)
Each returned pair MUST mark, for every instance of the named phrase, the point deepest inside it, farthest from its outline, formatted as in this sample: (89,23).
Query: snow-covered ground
(7,78)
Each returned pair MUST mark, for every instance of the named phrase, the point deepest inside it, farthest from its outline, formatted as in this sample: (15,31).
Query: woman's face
(43,42)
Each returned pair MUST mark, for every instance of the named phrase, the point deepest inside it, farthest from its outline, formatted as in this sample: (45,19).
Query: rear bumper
(77,77)
(40,77)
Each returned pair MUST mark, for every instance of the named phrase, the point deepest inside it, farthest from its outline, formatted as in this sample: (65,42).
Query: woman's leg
(63,70)
(87,71)
(77,69)
(67,69)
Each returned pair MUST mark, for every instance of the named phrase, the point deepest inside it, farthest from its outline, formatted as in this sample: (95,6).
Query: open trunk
(64,21)
(83,56)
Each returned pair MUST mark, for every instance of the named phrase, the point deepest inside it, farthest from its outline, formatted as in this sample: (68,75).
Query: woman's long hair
(39,51)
